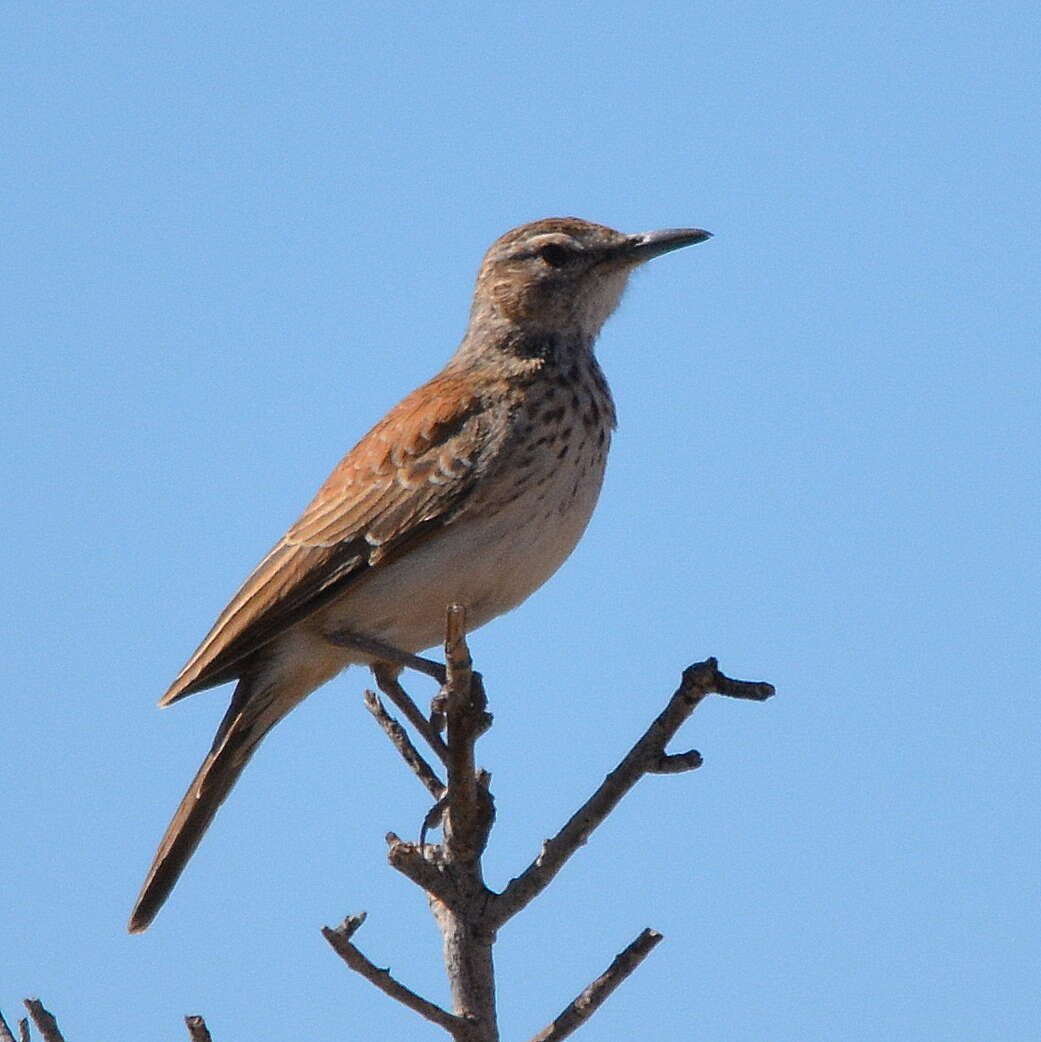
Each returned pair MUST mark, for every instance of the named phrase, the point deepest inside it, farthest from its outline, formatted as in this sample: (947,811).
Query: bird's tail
(237,738)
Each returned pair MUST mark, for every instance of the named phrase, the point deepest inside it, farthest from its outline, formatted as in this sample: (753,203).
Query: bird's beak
(643,247)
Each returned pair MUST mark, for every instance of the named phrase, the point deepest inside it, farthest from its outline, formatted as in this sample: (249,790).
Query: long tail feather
(237,739)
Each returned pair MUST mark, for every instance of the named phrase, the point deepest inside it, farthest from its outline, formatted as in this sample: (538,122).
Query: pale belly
(488,564)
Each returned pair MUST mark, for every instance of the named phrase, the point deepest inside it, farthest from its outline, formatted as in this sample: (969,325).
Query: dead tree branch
(340,939)
(5,1031)
(467,913)
(49,1031)
(401,741)
(44,1020)
(468,817)
(577,1012)
(387,681)
(647,756)
(197,1029)
(423,864)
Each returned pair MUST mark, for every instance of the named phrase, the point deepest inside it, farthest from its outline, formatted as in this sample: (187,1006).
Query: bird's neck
(523,349)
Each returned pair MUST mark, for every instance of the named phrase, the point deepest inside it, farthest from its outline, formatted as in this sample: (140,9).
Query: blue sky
(236,234)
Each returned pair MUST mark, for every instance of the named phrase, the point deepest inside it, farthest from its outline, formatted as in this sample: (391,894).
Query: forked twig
(44,1021)
(648,755)
(467,912)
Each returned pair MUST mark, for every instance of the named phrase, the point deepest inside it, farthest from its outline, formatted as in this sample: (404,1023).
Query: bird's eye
(555,255)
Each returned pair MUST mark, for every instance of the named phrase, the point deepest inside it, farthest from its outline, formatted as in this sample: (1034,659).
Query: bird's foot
(383,652)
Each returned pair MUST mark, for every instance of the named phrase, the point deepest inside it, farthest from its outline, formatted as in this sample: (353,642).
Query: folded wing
(411,474)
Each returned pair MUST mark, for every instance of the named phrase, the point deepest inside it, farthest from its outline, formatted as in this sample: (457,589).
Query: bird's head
(563,275)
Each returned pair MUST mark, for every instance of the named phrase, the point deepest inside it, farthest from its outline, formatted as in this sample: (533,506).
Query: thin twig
(340,939)
(577,1012)
(5,1031)
(387,681)
(44,1021)
(675,763)
(648,754)
(197,1029)
(409,753)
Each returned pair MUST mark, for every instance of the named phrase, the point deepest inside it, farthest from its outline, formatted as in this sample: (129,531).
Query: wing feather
(411,473)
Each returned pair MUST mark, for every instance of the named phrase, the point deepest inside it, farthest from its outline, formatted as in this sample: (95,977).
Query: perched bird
(473,490)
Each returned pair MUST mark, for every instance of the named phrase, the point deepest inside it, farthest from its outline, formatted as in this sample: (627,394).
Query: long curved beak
(653,244)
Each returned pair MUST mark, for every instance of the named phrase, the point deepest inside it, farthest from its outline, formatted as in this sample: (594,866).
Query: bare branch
(467,821)
(675,763)
(468,914)
(458,664)
(647,755)
(387,680)
(5,1031)
(706,673)
(340,939)
(577,1012)
(469,814)
(44,1021)
(197,1029)
(409,753)
(411,861)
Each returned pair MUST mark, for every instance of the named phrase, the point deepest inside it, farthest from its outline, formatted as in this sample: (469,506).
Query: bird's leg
(387,653)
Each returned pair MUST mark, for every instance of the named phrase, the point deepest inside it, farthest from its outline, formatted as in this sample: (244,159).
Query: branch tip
(197,1029)
(44,1021)
(648,755)
(675,763)
(583,1006)
(704,678)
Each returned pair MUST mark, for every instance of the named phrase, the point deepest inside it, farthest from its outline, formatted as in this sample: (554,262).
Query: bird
(473,490)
